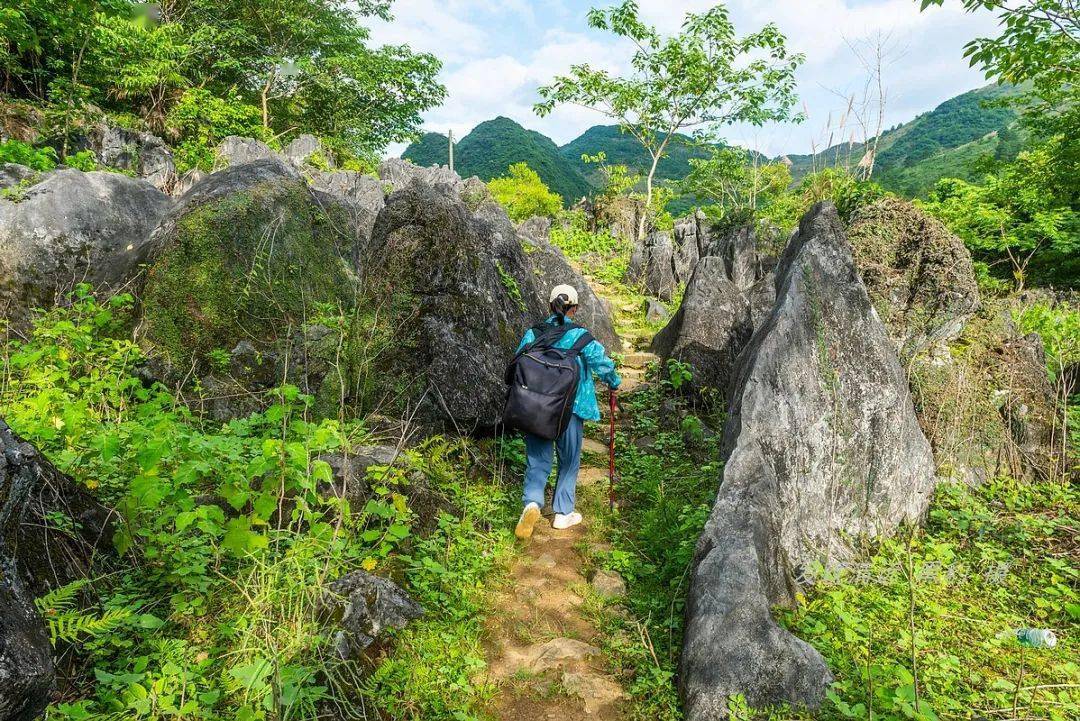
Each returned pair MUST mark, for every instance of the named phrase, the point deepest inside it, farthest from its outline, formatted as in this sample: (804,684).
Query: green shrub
(16,151)
(1059,327)
(227,536)
(524,195)
(986,564)
(84,160)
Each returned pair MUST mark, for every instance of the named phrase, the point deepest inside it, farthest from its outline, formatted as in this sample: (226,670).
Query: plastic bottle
(1036,637)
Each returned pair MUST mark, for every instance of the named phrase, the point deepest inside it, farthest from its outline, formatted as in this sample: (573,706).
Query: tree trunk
(648,194)
(264,97)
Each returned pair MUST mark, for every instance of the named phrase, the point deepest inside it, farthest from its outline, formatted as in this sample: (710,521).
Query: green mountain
(941,142)
(430,149)
(623,149)
(911,157)
(493,146)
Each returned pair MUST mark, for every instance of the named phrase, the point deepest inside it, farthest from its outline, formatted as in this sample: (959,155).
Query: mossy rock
(919,275)
(458,292)
(250,254)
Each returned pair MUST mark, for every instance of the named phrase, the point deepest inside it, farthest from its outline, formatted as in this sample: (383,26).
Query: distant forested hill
(493,146)
(911,158)
(623,149)
(941,142)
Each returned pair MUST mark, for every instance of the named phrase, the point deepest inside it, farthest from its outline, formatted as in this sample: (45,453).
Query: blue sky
(496,53)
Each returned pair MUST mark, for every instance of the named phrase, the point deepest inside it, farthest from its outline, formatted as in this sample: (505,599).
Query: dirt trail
(542,649)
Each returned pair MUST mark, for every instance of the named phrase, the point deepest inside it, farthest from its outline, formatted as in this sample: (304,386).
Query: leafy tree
(701,78)
(1020,216)
(524,195)
(1039,44)
(618,179)
(734,182)
(305,65)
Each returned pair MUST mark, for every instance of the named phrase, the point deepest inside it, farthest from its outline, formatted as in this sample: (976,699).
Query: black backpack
(543,382)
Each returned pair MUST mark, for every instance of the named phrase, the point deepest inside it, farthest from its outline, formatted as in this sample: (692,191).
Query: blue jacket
(585,406)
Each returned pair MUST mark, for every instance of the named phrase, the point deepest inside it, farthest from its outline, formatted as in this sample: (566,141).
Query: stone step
(590,445)
(591,475)
(640,359)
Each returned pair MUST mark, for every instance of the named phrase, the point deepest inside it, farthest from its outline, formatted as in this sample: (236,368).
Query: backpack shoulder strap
(579,345)
(545,336)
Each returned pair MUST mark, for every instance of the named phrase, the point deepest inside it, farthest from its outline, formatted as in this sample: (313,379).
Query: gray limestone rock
(364,605)
(821,447)
(73,227)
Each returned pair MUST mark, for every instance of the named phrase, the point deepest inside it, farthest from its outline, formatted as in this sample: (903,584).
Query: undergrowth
(990,560)
(211,607)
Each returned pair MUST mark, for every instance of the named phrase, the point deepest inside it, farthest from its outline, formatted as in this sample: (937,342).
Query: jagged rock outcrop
(821,446)
(13,175)
(620,216)
(236,150)
(666,259)
(351,482)
(306,150)
(459,292)
(551,268)
(51,531)
(26,665)
(710,328)
(145,155)
(652,265)
(728,296)
(364,606)
(400,173)
(919,275)
(245,256)
(74,227)
(364,196)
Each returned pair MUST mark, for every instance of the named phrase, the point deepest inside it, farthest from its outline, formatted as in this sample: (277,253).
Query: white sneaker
(529,516)
(565,520)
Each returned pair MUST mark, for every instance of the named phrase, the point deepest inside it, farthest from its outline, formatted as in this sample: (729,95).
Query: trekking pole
(611,450)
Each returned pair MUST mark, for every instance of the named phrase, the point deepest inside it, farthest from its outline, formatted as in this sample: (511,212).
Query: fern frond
(60,599)
(70,627)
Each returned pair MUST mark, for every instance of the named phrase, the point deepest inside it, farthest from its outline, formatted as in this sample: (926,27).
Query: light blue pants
(538,467)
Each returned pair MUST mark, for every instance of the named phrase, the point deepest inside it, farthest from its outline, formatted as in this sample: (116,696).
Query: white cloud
(497,52)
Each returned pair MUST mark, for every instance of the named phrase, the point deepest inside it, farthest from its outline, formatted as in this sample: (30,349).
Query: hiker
(591,358)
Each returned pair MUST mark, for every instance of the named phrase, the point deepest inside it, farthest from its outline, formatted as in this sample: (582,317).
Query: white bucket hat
(568,290)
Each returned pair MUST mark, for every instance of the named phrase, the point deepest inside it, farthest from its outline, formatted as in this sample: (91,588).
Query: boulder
(187,181)
(664,260)
(608,584)
(728,296)
(821,447)
(458,292)
(1029,408)
(74,227)
(13,175)
(919,275)
(400,173)
(655,311)
(621,216)
(51,531)
(351,482)
(235,150)
(145,155)
(364,606)
(652,265)
(551,268)
(710,328)
(26,664)
(306,151)
(247,254)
